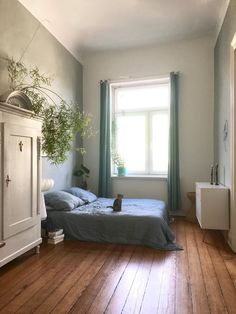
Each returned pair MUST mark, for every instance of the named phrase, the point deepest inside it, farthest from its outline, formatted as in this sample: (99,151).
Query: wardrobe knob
(8,180)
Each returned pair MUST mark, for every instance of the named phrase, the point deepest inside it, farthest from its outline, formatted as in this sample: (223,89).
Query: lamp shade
(46,185)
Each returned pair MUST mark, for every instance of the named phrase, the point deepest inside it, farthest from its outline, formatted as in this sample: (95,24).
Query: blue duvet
(141,221)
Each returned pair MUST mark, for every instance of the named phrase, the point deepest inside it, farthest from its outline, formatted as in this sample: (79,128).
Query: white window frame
(148,116)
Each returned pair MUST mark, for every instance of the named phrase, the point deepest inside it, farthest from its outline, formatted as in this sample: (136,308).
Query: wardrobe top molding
(18,111)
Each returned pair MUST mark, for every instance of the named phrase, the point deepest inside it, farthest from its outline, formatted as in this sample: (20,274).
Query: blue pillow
(86,196)
(60,200)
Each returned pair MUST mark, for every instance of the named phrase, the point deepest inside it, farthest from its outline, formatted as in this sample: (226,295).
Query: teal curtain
(173,165)
(104,152)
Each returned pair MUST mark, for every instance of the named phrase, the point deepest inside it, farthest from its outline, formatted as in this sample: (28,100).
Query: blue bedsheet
(141,221)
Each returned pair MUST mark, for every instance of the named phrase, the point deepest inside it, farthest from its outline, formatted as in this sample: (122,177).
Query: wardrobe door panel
(20,179)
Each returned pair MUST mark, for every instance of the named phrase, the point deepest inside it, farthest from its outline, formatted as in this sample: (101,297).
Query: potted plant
(119,163)
(61,120)
(83,172)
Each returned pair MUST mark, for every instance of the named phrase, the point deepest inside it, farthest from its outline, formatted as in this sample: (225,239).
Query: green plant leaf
(61,120)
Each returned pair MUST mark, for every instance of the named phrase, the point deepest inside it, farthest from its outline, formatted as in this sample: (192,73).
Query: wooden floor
(76,277)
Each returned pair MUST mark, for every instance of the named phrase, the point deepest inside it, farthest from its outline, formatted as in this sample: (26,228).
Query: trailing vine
(61,120)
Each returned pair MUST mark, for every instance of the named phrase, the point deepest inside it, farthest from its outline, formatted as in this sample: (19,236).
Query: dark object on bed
(141,221)
(117,203)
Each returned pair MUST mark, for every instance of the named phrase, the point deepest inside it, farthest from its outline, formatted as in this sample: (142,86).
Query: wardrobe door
(20,184)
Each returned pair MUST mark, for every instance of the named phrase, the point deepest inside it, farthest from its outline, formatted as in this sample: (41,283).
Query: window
(140,126)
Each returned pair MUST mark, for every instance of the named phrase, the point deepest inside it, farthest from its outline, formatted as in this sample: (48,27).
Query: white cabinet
(212,206)
(20,170)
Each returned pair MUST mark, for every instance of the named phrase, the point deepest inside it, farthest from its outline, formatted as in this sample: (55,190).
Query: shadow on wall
(19,36)
(4,86)
(63,174)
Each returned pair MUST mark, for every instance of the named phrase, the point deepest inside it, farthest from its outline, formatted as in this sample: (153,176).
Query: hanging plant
(61,120)
(83,172)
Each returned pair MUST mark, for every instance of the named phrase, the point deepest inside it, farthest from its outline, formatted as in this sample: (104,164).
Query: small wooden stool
(191,213)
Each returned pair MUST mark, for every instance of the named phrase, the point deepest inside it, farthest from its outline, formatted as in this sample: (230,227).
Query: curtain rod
(139,78)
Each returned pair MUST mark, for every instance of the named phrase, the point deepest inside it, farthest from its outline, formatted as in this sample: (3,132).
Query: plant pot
(121,171)
(19,99)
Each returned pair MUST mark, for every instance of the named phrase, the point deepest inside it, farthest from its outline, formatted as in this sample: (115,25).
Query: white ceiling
(90,25)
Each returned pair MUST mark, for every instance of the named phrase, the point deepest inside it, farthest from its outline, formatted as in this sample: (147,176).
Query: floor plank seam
(158,303)
(95,274)
(78,277)
(204,279)
(189,279)
(232,279)
(147,283)
(121,250)
(58,283)
(119,282)
(25,278)
(219,283)
(139,265)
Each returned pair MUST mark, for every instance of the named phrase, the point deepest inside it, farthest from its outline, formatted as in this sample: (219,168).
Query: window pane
(160,134)
(131,141)
(142,97)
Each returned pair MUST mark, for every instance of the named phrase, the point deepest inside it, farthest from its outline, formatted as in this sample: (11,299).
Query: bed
(88,218)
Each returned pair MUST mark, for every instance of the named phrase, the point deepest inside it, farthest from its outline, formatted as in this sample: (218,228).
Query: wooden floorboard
(66,298)
(183,297)
(224,277)
(123,287)
(46,300)
(80,277)
(134,299)
(167,293)
(151,297)
(198,290)
(82,296)
(213,290)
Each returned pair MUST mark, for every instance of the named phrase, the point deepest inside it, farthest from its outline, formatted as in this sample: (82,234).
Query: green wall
(222,52)
(17,28)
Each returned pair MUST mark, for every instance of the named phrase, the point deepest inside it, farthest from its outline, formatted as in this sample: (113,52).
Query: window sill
(145,177)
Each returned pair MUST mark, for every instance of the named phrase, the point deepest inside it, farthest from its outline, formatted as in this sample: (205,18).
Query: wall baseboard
(232,243)
(179,213)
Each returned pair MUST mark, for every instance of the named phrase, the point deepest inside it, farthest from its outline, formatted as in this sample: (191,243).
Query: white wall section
(194,60)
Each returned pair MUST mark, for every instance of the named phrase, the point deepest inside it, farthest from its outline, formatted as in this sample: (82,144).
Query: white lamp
(46,185)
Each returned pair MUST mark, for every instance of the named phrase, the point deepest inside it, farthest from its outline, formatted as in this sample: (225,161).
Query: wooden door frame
(232,231)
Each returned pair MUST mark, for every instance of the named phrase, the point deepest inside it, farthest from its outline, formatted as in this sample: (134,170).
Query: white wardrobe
(20,173)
